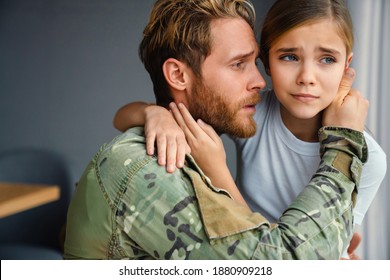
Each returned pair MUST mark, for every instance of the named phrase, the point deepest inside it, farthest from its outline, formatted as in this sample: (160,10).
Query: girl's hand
(161,129)
(206,146)
(349,108)
(207,149)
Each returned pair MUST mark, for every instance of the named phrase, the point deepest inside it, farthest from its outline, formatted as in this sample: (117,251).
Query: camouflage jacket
(127,207)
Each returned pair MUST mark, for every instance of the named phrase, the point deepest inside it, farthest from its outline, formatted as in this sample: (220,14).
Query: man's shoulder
(123,155)
(132,135)
(131,143)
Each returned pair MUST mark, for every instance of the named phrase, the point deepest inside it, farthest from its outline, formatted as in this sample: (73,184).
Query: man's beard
(212,108)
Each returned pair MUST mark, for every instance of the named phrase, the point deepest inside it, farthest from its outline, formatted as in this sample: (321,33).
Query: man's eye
(239,65)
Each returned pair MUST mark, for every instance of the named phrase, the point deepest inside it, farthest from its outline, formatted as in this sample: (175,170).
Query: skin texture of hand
(349,108)
(130,115)
(355,241)
(162,129)
(208,151)
(206,146)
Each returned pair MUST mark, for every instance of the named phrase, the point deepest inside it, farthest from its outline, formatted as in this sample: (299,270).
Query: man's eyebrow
(244,55)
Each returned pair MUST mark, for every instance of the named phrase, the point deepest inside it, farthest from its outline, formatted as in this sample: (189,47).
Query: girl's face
(306,67)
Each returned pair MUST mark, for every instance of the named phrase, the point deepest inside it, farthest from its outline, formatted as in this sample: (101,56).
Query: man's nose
(257,81)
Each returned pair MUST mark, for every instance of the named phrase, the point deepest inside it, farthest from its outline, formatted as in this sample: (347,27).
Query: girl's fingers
(194,130)
(209,130)
(180,121)
(345,85)
(161,150)
(182,150)
(150,139)
(171,155)
(192,125)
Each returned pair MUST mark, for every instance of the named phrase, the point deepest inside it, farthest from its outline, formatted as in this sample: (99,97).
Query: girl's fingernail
(171,168)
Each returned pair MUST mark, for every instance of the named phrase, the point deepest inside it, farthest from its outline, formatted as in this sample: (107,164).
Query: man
(202,53)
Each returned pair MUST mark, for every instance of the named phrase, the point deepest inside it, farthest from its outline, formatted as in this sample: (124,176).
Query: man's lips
(251,108)
(249,104)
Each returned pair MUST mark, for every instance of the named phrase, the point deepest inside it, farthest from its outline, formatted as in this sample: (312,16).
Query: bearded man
(202,53)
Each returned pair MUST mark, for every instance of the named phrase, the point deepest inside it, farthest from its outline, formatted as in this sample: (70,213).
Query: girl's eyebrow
(287,50)
(329,50)
(322,49)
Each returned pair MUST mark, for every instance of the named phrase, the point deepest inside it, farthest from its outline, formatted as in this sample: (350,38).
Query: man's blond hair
(181,29)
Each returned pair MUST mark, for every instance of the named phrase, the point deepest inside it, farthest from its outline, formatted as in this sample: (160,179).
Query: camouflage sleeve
(318,224)
(180,216)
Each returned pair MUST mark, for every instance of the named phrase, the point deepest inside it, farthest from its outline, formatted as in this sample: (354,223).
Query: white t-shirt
(274,166)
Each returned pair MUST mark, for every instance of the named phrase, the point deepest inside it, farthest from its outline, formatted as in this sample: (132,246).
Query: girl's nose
(306,75)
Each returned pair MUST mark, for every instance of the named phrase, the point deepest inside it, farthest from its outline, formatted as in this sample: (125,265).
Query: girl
(305,46)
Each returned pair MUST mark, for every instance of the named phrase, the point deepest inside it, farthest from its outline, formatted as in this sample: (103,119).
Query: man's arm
(316,225)
(180,215)
(322,214)
(145,212)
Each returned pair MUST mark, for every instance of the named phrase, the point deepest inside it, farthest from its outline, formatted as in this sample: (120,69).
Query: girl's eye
(328,60)
(289,57)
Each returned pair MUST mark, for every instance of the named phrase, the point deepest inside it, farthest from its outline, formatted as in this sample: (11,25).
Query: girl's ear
(349,60)
(268,71)
(175,73)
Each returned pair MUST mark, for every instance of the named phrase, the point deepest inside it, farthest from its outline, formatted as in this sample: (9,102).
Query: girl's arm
(160,129)
(130,115)
(208,151)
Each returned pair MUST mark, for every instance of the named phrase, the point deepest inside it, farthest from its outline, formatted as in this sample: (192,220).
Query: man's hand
(349,108)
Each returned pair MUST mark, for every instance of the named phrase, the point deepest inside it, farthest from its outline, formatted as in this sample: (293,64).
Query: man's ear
(349,60)
(176,74)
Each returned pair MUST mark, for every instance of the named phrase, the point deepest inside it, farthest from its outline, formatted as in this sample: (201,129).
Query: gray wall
(66,66)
